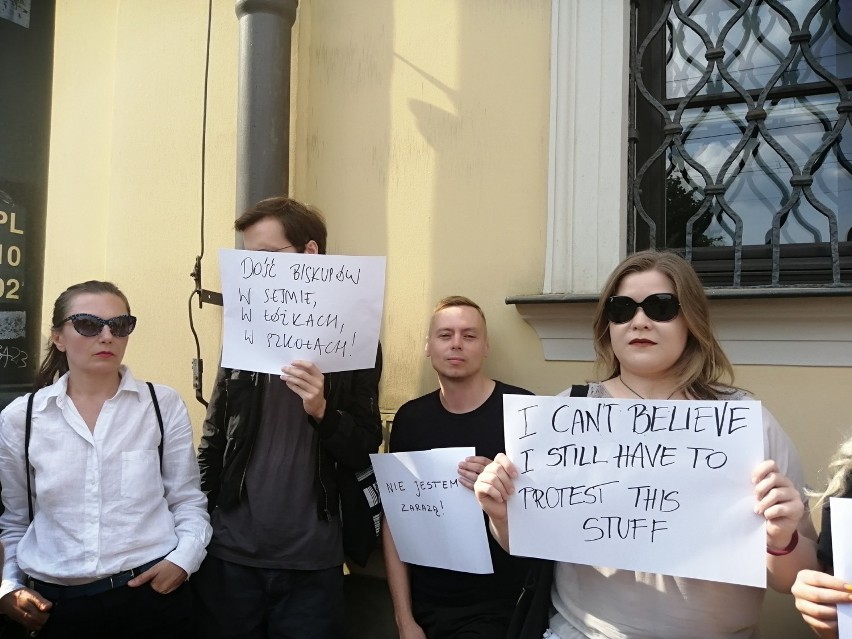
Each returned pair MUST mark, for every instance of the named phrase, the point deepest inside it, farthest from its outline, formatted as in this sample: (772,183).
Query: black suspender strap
(27,431)
(159,421)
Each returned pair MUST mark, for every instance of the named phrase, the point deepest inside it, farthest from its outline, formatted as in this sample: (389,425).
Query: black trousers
(483,620)
(129,613)
(241,602)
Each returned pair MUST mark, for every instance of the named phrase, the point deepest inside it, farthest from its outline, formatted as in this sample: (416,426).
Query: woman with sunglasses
(654,340)
(104,517)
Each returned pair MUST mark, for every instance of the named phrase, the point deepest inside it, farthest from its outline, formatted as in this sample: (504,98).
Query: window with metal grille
(741,140)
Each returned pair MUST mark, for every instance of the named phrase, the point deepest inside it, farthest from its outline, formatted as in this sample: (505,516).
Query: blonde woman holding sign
(654,340)
(818,592)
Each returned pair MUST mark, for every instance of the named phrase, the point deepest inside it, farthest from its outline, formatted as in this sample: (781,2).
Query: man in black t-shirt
(467,410)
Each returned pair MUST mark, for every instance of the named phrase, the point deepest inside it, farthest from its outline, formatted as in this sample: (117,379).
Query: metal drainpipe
(263,112)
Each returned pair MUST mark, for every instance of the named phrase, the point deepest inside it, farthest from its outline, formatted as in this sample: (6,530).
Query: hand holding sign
(308,382)
(470,468)
(779,502)
(493,488)
(817,596)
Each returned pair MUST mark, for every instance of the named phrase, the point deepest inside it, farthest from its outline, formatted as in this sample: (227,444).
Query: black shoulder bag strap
(28,431)
(532,611)
(579,390)
(159,421)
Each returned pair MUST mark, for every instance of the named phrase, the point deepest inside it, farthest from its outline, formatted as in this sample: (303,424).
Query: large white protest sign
(656,486)
(280,307)
(434,520)
(841,547)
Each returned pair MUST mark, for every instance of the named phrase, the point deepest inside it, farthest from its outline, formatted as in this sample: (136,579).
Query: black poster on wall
(16,353)
(26,79)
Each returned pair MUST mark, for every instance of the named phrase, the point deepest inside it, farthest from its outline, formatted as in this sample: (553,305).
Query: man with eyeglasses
(270,455)
(466,410)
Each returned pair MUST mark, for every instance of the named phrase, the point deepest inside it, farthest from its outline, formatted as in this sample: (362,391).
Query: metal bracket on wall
(211,297)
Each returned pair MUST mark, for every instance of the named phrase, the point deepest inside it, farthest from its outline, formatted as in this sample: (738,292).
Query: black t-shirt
(424,424)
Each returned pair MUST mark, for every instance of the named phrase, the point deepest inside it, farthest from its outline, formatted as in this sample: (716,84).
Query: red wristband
(794,540)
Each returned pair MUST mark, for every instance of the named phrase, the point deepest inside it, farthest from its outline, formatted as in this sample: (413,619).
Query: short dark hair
(301,223)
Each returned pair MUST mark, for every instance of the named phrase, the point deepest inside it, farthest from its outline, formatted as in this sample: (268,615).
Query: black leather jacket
(349,432)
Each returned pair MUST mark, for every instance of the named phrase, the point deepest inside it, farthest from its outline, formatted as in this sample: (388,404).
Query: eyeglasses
(91,325)
(660,307)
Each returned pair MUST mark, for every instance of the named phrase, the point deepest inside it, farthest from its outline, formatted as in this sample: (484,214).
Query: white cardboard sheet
(434,520)
(280,307)
(841,545)
(654,486)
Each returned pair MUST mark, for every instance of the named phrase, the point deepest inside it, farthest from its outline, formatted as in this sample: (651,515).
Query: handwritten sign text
(281,307)
(638,485)
(434,520)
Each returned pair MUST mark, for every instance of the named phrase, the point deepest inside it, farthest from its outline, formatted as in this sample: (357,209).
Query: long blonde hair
(703,371)
(840,475)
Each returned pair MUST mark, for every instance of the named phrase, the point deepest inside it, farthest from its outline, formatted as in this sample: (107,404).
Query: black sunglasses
(660,307)
(89,325)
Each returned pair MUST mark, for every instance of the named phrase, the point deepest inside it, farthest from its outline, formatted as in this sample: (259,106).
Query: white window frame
(586,222)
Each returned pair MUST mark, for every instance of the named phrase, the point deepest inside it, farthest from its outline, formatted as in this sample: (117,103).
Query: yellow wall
(420,128)
(423,134)
(125,168)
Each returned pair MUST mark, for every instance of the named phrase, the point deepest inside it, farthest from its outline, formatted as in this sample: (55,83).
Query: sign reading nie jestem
(653,486)
(434,520)
(280,307)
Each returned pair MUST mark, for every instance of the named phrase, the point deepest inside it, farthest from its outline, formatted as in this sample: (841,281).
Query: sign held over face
(281,307)
(654,486)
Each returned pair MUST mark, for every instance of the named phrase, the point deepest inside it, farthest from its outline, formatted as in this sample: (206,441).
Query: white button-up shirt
(101,503)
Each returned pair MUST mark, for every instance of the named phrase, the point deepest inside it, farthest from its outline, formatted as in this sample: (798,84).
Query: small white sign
(841,521)
(434,520)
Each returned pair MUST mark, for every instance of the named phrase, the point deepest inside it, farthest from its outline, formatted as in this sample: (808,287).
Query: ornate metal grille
(738,110)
